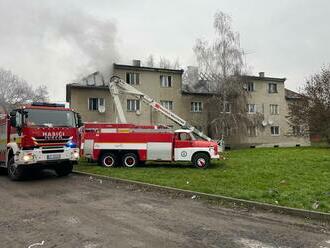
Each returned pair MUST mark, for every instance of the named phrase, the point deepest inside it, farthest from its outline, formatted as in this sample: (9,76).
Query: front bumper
(215,156)
(41,155)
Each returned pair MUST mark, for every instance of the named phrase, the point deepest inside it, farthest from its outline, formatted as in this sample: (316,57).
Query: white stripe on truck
(122,146)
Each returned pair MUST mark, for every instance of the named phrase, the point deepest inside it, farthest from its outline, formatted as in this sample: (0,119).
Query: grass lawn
(294,177)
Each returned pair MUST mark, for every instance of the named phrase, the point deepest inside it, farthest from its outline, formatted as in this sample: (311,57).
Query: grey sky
(52,42)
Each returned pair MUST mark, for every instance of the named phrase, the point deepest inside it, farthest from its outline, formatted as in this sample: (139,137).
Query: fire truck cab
(39,135)
(129,145)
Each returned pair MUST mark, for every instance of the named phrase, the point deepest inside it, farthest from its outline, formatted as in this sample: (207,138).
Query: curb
(307,214)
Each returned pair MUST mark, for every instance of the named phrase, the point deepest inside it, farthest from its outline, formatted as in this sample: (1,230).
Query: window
(251,108)
(196,106)
(274,109)
(184,136)
(132,78)
(94,104)
(227,131)
(297,130)
(227,108)
(133,105)
(272,88)
(167,104)
(54,118)
(275,130)
(250,86)
(252,131)
(165,81)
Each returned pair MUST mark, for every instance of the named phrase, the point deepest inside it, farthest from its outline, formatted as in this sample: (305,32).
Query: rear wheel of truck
(15,172)
(201,160)
(108,160)
(64,170)
(130,160)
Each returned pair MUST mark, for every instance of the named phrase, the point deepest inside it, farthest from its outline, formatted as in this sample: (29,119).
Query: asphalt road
(79,211)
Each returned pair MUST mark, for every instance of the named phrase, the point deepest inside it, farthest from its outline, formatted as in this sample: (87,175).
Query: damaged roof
(289,94)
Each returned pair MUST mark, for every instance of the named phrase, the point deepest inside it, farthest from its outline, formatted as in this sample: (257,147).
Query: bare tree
(176,64)
(15,91)
(150,62)
(168,64)
(312,109)
(164,63)
(221,66)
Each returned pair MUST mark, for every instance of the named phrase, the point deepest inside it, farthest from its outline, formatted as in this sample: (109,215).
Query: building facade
(269,98)
(92,99)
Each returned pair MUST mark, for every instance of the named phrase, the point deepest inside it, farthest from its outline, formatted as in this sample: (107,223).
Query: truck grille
(52,149)
(42,141)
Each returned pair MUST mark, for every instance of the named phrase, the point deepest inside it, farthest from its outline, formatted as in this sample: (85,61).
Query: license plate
(53,156)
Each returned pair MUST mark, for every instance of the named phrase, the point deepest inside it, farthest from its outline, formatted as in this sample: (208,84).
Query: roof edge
(265,78)
(145,68)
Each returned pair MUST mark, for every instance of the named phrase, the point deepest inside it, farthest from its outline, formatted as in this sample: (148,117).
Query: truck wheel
(64,170)
(130,160)
(15,172)
(201,160)
(108,160)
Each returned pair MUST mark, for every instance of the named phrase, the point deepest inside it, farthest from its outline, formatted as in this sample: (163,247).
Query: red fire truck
(129,144)
(39,135)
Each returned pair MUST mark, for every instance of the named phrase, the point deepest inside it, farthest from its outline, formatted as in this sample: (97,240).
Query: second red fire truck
(128,144)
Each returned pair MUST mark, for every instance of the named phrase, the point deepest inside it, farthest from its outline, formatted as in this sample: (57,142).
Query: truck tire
(108,160)
(201,160)
(130,160)
(15,172)
(64,170)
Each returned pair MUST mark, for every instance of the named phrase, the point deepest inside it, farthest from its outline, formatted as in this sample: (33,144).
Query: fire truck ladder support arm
(118,86)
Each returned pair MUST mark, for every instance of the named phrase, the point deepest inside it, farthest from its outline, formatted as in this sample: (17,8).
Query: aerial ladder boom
(118,86)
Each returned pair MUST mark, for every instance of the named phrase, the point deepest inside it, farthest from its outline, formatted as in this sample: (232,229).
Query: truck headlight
(76,154)
(28,157)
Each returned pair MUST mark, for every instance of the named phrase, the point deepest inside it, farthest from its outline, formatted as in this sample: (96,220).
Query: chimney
(262,74)
(136,62)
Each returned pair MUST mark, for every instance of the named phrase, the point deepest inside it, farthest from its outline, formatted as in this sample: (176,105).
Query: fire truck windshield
(49,118)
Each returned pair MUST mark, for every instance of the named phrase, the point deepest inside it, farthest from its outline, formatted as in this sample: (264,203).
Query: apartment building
(92,99)
(269,98)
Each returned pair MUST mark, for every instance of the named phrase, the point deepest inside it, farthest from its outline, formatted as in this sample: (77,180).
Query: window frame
(248,88)
(130,77)
(248,108)
(167,83)
(227,131)
(136,105)
(194,109)
(279,131)
(271,112)
(229,108)
(98,103)
(165,102)
(255,131)
(271,91)
(300,130)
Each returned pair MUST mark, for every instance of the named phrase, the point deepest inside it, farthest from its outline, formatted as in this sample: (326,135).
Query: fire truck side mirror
(79,120)
(12,118)
(16,119)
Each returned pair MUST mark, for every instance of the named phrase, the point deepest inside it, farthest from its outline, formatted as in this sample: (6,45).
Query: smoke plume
(54,42)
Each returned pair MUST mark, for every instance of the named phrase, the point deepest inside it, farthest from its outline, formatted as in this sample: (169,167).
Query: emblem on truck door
(184,154)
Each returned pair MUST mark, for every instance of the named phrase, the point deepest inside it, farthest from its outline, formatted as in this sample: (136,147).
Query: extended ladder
(117,86)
